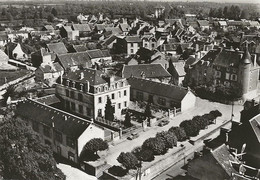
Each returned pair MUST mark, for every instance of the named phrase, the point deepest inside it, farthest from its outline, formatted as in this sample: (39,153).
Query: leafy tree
(128,160)
(95,144)
(54,12)
(200,121)
(216,113)
(9,16)
(127,121)
(179,133)
(157,145)
(147,111)
(191,128)
(169,138)
(109,110)
(50,18)
(145,155)
(22,155)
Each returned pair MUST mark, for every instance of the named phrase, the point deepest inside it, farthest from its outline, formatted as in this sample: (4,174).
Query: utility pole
(232,111)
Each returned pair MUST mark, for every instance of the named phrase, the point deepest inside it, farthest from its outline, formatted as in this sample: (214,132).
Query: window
(72,94)
(99,112)
(46,131)
(218,74)
(132,51)
(35,126)
(124,92)
(88,111)
(81,87)
(139,96)
(227,76)
(80,97)
(173,104)
(67,104)
(113,96)
(100,100)
(233,77)
(162,101)
(226,83)
(70,142)
(119,94)
(228,69)
(153,45)
(59,150)
(132,44)
(67,93)
(119,105)
(58,136)
(80,109)
(125,103)
(71,156)
(73,106)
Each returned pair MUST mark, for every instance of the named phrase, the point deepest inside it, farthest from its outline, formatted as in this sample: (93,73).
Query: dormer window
(68,83)
(228,69)
(73,84)
(81,87)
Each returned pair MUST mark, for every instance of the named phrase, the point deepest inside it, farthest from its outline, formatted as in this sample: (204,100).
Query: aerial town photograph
(129,90)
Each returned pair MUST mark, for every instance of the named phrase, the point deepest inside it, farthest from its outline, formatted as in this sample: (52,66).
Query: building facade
(85,92)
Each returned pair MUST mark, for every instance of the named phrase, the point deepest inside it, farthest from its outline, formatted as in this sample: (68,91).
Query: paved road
(202,107)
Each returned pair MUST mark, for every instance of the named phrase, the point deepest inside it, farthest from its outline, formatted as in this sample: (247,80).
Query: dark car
(133,136)
(163,123)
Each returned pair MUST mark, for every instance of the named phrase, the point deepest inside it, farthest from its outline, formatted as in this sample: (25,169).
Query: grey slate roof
(160,89)
(66,123)
(57,48)
(150,71)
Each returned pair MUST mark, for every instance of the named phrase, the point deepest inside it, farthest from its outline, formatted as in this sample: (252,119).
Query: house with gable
(65,133)
(85,92)
(129,44)
(83,29)
(161,94)
(154,72)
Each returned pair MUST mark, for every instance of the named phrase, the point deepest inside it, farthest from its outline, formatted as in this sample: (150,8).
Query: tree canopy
(22,155)
(95,144)
(109,110)
(128,160)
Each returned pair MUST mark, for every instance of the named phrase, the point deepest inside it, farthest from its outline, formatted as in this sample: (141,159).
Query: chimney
(242,35)
(53,124)
(65,118)
(81,76)
(87,86)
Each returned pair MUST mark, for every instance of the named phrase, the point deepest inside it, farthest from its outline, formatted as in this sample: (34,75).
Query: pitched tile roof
(100,27)
(228,58)
(95,53)
(114,30)
(93,76)
(109,40)
(255,124)
(80,48)
(64,122)
(124,27)
(160,89)
(57,48)
(74,59)
(149,70)
(223,157)
(48,100)
(179,67)
(133,39)
(203,23)
(81,27)
(106,53)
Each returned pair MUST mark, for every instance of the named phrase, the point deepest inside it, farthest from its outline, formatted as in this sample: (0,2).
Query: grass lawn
(12,75)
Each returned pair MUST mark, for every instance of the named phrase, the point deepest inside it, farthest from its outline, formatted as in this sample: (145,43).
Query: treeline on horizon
(113,9)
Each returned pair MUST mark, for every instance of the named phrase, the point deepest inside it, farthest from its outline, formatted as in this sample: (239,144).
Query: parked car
(133,136)
(163,123)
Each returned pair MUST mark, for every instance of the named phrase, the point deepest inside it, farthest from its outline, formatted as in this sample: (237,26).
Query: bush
(157,145)
(179,133)
(146,155)
(117,171)
(216,113)
(168,138)
(200,121)
(191,128)
(209,117)
(128,160)
(95,144)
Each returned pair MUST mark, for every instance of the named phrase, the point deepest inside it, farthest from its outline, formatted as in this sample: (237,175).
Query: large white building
(85,92)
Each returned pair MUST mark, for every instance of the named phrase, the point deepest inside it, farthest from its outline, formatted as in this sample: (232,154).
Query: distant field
(11,75)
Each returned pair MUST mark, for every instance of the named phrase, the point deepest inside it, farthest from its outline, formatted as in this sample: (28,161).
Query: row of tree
(165,140)
(230,12)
